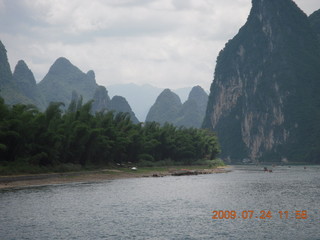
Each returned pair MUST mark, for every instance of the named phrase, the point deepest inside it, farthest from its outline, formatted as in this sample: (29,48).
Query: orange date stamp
(263,214)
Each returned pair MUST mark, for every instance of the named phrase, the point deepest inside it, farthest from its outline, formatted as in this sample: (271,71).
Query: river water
(170,207)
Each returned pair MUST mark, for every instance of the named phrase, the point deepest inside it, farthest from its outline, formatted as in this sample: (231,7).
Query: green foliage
(34,141)
(145,157)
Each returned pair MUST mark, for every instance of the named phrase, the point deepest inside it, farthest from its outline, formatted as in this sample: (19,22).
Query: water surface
(168,207)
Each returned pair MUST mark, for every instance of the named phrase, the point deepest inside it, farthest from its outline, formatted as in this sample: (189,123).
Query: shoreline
(18,181)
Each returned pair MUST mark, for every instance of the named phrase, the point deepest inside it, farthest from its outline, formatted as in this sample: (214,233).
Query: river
(253,204)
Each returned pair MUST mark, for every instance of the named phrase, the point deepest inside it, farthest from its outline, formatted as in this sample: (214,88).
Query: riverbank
(102,175)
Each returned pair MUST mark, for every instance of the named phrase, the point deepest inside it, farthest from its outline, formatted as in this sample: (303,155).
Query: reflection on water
(168,208)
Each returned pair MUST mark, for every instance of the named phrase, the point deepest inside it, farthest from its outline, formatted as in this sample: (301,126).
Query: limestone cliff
(101,100)
(264,99)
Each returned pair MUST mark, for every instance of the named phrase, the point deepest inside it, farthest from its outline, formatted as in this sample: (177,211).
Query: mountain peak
(63,78)
(169,96)
(166,108)
(274,17)
(91,74)
(62,60)
(120,104)
(22,64)
(26,83)
(267,8)
(62,66)
(22,73)
(196,93)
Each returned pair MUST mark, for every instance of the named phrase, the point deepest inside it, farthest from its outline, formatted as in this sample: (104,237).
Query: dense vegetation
(30,139)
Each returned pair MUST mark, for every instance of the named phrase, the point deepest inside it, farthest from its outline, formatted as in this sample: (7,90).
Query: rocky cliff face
(5,71)
(63,78)
(26,83)
(101,100)
(263,101)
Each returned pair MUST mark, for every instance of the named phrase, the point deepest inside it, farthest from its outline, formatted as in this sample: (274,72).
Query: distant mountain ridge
(8,87)
(169,109)
(141,97)
(63,83)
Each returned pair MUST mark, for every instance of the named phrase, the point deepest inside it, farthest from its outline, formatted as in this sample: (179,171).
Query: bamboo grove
(76,136)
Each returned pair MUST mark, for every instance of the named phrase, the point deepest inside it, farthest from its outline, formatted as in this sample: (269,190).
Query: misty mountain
(8,88)
(193,110)
(101,100)
(63,83)
(63,78)
(165,109)
(26,83)
(141,97)
(103,103)
(119,104)
(168,108)
(183,93)
(264,100)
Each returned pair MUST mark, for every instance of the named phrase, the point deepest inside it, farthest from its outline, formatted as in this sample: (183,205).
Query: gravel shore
(91,176)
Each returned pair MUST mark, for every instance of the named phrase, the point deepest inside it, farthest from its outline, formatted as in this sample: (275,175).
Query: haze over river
(170,207)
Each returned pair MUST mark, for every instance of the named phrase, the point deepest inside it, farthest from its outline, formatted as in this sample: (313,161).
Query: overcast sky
(166,43)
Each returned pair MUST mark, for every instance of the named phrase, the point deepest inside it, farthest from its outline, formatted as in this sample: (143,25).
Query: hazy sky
(166,43)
